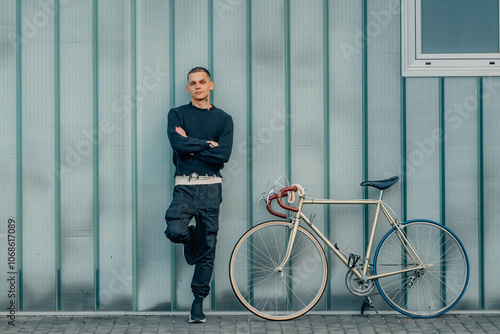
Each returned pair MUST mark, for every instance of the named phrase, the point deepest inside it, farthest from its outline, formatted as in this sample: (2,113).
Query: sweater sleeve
(221,153)
(180,144)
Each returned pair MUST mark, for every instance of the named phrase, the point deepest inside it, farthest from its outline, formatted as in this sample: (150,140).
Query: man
(201,136)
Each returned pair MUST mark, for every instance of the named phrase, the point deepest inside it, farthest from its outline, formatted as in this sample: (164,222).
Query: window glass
(460,26)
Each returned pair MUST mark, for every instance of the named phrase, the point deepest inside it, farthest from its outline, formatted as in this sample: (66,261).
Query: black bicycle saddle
(381,184)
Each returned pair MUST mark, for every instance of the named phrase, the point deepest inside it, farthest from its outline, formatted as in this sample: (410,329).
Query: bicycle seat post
(381,194)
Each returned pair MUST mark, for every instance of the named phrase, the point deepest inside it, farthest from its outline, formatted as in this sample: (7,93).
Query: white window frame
(416,64)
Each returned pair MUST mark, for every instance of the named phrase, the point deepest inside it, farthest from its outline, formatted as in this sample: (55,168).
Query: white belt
(195,179)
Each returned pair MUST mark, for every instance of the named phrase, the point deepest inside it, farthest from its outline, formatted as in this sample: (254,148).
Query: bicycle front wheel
(433,289)
(268,291)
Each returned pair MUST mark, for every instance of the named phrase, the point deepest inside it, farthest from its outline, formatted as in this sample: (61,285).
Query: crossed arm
(181,131)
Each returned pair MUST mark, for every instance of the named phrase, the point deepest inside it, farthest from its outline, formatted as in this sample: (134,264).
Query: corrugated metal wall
(315,91)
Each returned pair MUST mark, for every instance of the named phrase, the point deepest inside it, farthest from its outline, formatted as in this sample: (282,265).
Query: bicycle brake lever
(262,197)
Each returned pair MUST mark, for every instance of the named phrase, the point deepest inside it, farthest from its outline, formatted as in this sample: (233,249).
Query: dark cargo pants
(201,202)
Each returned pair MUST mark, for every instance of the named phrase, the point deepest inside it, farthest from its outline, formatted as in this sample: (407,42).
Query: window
(450,38)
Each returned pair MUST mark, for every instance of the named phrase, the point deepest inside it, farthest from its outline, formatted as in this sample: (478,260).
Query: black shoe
(190,247)
(197,315)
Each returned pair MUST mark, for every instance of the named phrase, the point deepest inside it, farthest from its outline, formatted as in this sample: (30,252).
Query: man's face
(199,86)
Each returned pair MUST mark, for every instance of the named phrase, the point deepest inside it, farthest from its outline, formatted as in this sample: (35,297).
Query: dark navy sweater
(193,154)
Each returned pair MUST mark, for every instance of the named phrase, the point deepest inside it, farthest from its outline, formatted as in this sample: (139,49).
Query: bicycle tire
(263,289)
(433,290)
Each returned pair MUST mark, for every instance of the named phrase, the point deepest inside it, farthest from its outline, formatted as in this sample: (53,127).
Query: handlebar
(282,192)
(280,202)
(271,211)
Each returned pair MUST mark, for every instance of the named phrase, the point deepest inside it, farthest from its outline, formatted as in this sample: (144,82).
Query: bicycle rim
(427,292)
(265,290)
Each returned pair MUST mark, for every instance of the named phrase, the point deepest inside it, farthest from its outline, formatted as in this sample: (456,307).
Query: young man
(201,136)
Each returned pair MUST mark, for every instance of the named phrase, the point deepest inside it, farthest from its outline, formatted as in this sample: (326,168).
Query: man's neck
(202,104)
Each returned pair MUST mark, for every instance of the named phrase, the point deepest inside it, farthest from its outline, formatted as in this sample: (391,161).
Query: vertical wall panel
(229,59)
(307,94)
(154,175)
(191,49)
(38,158)
(7,137)
(268,100)
(491,96)
(422,148)
(115,221)
(383,82)
(383,104)
(306,100)
(346,87)
(461,191)
(76,145)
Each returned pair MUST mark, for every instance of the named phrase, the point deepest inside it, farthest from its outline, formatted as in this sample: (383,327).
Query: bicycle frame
(418,264)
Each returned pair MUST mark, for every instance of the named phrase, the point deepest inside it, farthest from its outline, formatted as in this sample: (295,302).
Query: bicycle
(278,269)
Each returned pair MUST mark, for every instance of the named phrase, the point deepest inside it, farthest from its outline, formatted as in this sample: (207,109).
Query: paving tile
(455,325)
(333,324)
(425,325)
(495,320)
(45,325)
(485,324)
(105,325)
(394,324)
(410,325)
(75,324)
(242,324)
(257,325)
(90,325)
(181,325)
(166,324)
(135,324)
(5,328)
(60,324)
(30,325)
(151,324)
(318,324)
(272,327)
(363,324)
(470,324)
(289,327)
(348,324)
(121,325)
(303,325)
(227,324)
(378,323)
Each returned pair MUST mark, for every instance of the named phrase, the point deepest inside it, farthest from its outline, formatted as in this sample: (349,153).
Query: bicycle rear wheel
(427,292)
(267,291)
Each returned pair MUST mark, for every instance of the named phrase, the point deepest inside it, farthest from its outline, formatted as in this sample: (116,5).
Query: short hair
(199,69)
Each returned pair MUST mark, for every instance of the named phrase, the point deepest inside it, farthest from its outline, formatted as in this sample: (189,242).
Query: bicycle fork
(295,222)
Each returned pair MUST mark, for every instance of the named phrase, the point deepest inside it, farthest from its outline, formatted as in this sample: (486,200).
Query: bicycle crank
(357,286)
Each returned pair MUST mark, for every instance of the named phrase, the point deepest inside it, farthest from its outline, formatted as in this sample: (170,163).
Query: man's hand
(181,131)
(212,143)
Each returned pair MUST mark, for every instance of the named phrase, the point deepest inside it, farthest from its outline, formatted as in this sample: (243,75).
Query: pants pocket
(212,220)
